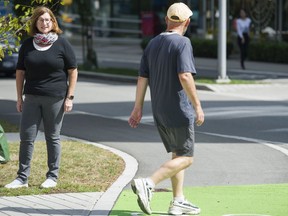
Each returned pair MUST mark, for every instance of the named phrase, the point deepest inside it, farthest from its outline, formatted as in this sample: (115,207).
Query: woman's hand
(68,105)
(19,105)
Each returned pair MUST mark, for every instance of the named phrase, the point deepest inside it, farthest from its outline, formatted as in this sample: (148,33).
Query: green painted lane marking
(245,215)
(244,200)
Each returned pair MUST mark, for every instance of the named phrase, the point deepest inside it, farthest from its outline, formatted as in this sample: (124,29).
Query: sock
(150,183)
(179,199)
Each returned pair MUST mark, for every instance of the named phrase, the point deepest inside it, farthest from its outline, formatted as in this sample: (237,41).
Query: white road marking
(271,145)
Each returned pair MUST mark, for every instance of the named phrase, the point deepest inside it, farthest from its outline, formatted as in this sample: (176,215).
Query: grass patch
(232,81)
(133,72)
(84,168)
(8,127)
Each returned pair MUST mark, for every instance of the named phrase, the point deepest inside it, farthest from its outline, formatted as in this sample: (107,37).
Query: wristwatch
(70,97)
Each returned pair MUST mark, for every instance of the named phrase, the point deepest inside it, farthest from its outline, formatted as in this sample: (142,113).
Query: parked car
(8,63)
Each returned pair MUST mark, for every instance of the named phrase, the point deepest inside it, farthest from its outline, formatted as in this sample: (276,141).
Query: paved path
(273,90)
(100,203)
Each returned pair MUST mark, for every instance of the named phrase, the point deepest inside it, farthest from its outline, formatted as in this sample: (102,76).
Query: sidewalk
(82,204)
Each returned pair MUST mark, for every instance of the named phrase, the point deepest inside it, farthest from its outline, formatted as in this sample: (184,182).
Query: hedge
(208,48)
(268,51)
(201,47)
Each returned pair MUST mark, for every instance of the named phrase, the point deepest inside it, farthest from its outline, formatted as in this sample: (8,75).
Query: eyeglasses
(44,20)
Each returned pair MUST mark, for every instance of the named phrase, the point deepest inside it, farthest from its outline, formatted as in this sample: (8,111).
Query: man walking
(167,66)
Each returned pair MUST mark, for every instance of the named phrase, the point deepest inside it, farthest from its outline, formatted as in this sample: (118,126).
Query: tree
(14,26)
(85,11)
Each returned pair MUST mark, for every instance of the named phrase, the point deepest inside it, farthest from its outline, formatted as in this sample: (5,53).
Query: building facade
(137,18)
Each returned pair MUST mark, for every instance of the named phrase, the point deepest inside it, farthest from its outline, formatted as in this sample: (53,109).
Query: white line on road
(147,121)
(271,145)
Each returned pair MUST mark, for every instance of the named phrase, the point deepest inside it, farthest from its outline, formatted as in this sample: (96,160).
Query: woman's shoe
(16,184)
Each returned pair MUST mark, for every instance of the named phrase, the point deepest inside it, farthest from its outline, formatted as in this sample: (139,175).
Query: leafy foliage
(14,26)
(201,47)
(86,13)
(268,51)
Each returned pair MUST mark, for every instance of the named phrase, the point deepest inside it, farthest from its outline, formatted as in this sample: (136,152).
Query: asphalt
(101,203)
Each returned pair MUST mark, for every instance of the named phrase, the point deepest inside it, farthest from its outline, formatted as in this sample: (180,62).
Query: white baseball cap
(179,12)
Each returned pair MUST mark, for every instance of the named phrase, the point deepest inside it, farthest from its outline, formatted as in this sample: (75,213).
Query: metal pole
(204,8)
(212,16)
(280,19)
(222,41)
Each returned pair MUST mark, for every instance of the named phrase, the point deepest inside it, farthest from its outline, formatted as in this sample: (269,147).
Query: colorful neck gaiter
(45,39)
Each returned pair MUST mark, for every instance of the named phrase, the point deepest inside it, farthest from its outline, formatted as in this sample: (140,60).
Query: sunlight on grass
(233,81)
(84,168)
(198,79)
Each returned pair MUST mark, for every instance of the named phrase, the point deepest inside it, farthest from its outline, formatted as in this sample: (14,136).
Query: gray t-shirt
(165,56)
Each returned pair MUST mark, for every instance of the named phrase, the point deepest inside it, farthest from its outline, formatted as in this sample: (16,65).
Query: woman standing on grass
(46,74)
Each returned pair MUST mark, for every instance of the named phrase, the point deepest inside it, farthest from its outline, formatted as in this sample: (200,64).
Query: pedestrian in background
(46,74)
(243,29)
(167,66)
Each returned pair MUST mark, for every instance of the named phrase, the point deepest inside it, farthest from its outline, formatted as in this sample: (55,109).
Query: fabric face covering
(45,39)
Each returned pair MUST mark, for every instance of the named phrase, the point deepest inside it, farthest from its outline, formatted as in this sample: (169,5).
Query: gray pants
(36,109)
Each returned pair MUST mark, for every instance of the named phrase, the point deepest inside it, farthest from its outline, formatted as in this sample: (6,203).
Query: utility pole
(204,21)
(280,18)
(222,43)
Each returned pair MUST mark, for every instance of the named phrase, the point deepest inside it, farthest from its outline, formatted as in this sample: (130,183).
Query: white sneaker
(48,183)
(179,208)
(16,184)
(144,193)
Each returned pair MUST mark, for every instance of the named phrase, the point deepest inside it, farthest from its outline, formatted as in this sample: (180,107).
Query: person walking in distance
(243,28)
(167,66)
(46,74)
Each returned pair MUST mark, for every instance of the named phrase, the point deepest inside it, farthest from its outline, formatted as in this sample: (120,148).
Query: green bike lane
(241,200)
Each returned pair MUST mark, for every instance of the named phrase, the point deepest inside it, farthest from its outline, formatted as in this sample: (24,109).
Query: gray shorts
(178,140)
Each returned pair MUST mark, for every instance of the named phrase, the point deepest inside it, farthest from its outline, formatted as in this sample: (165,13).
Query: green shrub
(201,47)
(208,48)
(268,51)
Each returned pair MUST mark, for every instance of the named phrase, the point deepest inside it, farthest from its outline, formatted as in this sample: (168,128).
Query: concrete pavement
(82,204)
(100,203)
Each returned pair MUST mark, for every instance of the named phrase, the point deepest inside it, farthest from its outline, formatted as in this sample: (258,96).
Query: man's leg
(177,182)
(180,205)
(178,140)
(143,187)
(171,168)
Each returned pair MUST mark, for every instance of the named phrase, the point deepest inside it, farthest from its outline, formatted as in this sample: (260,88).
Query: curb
(110,77)
(105,204)
(102,205)
(128,79)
